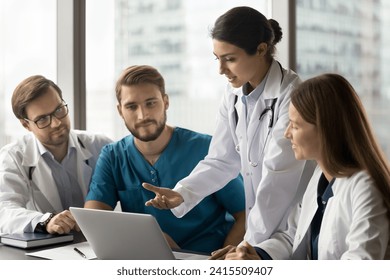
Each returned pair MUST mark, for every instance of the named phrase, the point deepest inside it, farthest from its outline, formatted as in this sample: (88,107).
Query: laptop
(115,235)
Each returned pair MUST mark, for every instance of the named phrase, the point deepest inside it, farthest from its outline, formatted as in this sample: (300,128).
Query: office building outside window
(28,47)
(349,38)
(171,35)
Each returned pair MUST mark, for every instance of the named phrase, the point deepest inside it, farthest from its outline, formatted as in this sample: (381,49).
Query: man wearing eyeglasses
(49,169)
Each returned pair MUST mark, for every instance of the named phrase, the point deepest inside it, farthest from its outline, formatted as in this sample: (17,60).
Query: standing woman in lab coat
(345,211)
(249,133)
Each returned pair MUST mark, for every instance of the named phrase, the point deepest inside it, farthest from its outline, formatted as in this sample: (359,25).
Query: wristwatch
(41,226)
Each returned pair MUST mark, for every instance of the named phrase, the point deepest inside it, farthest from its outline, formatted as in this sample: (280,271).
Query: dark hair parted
(28,90)
(139,74)
(247,28)
(347,142)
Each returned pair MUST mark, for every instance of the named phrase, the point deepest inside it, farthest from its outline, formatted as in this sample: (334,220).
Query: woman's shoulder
(359,177)
(289,79)
(359,183)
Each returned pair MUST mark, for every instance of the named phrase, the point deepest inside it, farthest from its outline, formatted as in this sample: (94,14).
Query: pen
(80,253)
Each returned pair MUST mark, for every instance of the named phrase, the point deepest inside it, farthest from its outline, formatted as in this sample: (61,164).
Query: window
(28,47)
(349,38)
(172,36)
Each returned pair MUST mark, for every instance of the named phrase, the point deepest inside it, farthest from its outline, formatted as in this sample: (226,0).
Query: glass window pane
(171,35)
(28,47)
(350,38)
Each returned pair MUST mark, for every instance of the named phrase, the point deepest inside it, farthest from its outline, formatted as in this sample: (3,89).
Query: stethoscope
(269,107)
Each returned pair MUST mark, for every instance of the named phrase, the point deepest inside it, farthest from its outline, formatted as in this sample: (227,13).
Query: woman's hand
(221,253)
(165,198)
(243,252)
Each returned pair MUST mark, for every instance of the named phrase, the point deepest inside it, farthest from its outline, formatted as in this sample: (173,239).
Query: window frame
(71,57)
(71,45)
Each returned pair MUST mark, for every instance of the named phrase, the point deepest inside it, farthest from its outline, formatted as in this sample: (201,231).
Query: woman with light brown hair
(344,213)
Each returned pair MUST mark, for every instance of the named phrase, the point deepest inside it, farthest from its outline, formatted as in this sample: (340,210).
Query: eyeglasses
(59,113)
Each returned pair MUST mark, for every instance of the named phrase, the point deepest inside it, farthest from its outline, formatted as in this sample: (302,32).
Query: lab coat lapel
(31,154)
(84,171)
(274,82)
(254,123)
(41,175)
(237,121)
(241,130)
(309,208)
(43,180)
(241,124)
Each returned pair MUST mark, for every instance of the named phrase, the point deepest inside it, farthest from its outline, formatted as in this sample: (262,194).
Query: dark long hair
(347,142)
(246,28)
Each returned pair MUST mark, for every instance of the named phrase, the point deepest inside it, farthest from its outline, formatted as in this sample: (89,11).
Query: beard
(152,135)
(56,137)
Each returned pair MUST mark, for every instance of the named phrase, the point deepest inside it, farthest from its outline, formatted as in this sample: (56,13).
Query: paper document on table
(189,256)
(66,252)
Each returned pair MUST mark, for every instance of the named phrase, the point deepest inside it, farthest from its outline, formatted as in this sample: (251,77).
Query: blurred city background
(344,36)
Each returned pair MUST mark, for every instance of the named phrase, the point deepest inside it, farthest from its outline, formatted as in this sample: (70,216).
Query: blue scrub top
(121,169)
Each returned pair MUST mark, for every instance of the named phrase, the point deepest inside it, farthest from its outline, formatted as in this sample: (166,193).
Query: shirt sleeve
(262,254)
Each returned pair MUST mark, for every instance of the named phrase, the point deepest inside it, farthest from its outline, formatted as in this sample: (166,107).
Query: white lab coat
(354,226)
(22,199)
(271,187)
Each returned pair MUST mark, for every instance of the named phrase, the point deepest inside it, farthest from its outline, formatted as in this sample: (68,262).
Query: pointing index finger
(151,188)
